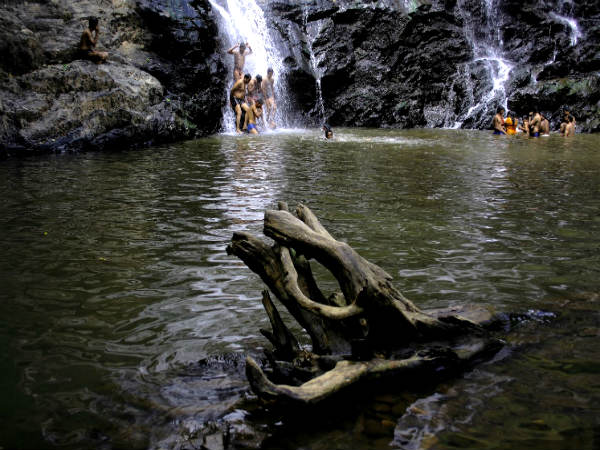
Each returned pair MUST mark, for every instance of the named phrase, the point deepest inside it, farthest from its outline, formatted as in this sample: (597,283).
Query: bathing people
(268,90)
(565,121)
(88,41)
(498,121)
(570,128)
(511,123)
(239,59)
(525,125)
(328,131)
(535,120)
(237,100)
(254,90)
(544,125)
(254,113)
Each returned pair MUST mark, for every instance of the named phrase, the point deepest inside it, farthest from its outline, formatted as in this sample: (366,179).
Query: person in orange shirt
(511,123)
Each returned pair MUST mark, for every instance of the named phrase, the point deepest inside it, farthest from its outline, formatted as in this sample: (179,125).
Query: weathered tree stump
(368,330)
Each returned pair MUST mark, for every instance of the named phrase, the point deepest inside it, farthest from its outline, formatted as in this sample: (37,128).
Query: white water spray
(244,21)
(313,30)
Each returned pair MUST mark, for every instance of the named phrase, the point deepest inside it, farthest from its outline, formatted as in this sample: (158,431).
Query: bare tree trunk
(369,315)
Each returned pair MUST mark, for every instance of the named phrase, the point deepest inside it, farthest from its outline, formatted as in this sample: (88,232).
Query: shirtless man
(254,113)
(254,90)
(534,124)
(524,127)
(570,128)
(239,59)
(237,99)
(89,39)
(544,126)
(565,121)
(268,90)
(498,121)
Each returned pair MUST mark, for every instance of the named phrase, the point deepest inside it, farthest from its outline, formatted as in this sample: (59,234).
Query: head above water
(242,46)
(258,78)
(93,22)
(328,131)
(247,78)
(269,71)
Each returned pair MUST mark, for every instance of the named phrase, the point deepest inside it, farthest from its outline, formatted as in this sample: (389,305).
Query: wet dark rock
(164,80)
(385,66)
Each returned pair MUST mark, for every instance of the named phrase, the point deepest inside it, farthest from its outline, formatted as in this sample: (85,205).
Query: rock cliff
(418,63)
(164,80)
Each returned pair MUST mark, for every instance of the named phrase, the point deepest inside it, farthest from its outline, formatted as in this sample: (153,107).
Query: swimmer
(525,125)
(328,131)
(237,100)
(239,59)
(544,125)
(535,120)
(88,41)
(570,128)
(498,122)
(511,123)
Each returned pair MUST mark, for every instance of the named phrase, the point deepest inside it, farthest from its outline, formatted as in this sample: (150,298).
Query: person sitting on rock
(498,121)
(239,59)
(89,39)
(237,100)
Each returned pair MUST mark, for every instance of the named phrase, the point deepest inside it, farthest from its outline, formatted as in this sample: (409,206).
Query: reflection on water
(124,323)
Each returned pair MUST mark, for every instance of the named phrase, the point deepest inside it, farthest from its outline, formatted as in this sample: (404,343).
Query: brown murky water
(124,323)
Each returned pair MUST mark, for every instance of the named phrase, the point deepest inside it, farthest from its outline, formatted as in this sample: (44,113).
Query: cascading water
(312,30)
(485,38)
(244,21)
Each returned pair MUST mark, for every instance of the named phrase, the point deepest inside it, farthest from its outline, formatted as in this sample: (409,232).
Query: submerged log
(367,330)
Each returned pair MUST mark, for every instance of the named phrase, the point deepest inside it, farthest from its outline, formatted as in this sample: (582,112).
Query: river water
(123,323)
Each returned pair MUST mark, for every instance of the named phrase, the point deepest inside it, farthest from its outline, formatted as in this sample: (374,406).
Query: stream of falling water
(486,40)
(244,21)
(312,30)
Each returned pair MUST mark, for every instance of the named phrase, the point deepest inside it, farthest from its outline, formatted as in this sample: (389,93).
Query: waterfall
(485,38)
(312,30)
(244,21)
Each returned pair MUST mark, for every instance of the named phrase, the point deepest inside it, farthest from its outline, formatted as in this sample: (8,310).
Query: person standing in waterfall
(237,99)
(498,121)
(254,90)
(268,90)
(239,59)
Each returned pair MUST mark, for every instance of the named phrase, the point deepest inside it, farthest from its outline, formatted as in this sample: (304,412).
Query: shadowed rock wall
(412,64)
(163,82)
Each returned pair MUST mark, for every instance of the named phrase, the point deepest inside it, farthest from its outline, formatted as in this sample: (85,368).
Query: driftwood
(367,330)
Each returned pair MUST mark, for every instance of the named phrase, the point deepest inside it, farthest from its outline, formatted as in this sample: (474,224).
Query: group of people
(535,124)
(249,95)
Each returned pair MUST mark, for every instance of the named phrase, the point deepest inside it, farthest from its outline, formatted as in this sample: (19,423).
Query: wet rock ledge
(163,82)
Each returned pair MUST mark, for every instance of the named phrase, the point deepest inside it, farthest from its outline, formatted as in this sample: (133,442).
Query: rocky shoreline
(381,64)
